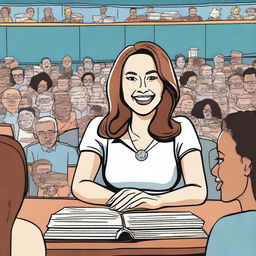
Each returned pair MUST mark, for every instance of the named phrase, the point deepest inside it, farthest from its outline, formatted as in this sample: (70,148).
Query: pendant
(141,155)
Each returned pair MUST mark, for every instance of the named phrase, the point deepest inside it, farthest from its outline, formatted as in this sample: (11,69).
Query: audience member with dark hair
(189,79)
(235,174)
(207,109)
(208,114)
(41,82)
(17,77)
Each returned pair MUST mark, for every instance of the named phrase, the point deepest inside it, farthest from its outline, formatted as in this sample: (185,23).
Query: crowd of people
(45,101)
(215,14)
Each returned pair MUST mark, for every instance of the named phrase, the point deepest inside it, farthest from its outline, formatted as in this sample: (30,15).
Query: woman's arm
(194,192)
(83,186)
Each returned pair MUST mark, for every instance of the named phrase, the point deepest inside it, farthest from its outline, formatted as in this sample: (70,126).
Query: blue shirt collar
(45,149)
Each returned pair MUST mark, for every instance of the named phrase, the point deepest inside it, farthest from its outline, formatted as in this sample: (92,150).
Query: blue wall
(103,43)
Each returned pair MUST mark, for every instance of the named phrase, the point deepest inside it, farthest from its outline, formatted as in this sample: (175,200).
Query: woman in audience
(208,114)
(41,82)
(138,144)
(19,237)
(235,175)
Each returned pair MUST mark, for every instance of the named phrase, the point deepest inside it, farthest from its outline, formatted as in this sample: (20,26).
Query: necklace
(141,154)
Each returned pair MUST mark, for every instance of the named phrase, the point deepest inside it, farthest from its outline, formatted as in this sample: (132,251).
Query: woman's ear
(247,165)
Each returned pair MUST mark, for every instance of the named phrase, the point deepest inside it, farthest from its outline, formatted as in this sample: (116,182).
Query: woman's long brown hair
(13,188)
(162,126)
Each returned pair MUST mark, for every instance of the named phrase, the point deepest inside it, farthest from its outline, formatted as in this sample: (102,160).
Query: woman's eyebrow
(150,72)
(131,73)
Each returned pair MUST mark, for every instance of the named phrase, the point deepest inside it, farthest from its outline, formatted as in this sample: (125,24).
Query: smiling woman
(138,147)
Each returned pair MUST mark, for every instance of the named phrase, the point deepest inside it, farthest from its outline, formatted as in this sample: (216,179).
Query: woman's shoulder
(23,232)
(183,120)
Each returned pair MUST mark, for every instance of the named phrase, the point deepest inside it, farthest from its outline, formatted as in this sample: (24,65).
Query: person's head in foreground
(13,186)
(235,171)
(142,83)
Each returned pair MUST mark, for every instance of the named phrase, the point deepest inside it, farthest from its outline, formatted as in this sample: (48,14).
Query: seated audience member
(55,185)
(75,81)
(11,99)
(88,64)
(133,16)
(26,101)
(46,65)
(30,13)
(205,78)
(41,82)
(62,108)
(67,66)
(188,83)
(249,80)
(236,88)
(179,64)
(103,11)
(44,103)
(208,114)
(79,99)
(104,74)
(5,15)
(228,71)
(88,79)
(49,148)
(247,99)
(72,17)
(219,62)
(13,178)
(79,71)
(251,14)
(26,121)
(235,14)
(215,14)
(63,85)
(96,69)
(192,15)
(235,175)
(48,16)
(17,77)
(39,171)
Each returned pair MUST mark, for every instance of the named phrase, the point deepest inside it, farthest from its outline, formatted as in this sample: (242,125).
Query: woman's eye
(151,78)
(219,160)
(131,78)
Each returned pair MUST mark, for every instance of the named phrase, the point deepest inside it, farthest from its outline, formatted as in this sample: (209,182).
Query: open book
(103,223)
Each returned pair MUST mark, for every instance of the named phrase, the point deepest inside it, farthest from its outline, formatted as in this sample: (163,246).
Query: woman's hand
(128,199)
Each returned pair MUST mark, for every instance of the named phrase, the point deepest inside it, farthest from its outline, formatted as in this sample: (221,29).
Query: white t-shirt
(120,168)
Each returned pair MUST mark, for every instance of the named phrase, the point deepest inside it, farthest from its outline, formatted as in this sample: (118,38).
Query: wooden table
(39,212)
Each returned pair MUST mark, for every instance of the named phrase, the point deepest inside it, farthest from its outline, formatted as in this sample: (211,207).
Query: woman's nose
(214,170)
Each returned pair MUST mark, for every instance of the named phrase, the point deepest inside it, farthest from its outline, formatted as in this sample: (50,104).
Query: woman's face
(207,112)
(229,171)
(180,62)
(141,85)
(42,86)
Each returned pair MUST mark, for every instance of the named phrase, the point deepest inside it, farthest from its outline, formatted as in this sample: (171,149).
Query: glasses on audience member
(17,75)
(49,133)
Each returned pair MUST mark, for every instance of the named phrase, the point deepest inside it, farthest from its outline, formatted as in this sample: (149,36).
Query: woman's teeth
(219,183)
